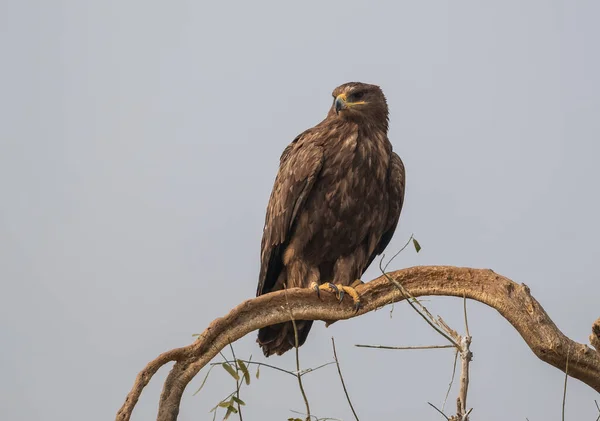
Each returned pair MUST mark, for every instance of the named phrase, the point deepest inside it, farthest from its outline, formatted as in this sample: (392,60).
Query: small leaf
(230,410)
(417,245)
(224,404)
(195,334)
(258,372)
(204,381)
(244,370)
(238,400)
(231,371)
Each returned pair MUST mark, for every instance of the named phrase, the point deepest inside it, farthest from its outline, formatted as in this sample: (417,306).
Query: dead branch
(513,301)
(337,363)
(405,347)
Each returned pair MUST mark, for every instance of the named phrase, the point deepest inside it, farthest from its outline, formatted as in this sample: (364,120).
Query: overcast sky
(139,144)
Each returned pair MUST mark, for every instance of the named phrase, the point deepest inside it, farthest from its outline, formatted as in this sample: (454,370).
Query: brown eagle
(334,206)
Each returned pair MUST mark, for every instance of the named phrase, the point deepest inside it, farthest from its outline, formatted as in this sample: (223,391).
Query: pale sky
(138,147)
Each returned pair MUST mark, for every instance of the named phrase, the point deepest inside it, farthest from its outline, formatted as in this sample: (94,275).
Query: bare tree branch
(337,363)
(298,375)
(513,301)
(564,400)
(465,358)
(405,347)
(238,383)
(439,410)
(451,379)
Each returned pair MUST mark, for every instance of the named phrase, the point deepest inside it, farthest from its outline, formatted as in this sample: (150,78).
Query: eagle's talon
(328,286)
(352,293)
(333,288)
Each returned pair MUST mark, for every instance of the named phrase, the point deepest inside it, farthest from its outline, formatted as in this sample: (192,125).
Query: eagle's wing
(299,167)
(396,180)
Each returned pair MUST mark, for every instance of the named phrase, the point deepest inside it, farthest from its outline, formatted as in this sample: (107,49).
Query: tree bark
(513,301)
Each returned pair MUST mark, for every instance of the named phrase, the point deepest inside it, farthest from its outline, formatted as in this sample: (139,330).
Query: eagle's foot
(351,292)
(325,287)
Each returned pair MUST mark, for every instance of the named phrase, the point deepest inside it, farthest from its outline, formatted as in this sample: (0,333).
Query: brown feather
(335,205)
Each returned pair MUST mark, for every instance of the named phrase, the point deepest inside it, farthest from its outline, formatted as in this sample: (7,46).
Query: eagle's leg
(356,283)
(325,287)
(351,291)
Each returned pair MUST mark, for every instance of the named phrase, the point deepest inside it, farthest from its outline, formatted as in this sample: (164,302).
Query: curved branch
(513,301)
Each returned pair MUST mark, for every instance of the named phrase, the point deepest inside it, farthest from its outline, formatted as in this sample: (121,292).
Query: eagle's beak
(340,103)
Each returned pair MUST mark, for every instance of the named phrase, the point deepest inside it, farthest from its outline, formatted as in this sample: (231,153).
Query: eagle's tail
(280,338)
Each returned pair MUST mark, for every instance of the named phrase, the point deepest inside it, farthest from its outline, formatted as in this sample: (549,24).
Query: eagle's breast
(350,202)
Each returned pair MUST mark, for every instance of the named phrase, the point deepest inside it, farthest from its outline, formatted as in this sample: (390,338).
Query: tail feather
(280,338)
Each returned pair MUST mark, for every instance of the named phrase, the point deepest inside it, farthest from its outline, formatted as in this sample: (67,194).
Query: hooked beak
(340,103)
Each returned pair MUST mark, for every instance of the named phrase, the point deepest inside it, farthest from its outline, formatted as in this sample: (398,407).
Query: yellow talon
(351,292)
(324,287)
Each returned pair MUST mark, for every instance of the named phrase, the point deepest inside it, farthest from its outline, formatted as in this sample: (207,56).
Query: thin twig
(598,407)
(397,253)
(565,386)
(434,407)
(451,380)
(409,299)
(310,370)
(315,417)
(291,373)
(405,347)
(297,357)
(390,261)
(238,383)
(337,363)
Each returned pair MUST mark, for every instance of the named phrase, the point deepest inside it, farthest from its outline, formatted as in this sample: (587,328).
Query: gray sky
(139,144)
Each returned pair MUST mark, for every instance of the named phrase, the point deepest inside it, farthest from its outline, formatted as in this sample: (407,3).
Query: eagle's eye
(356,96)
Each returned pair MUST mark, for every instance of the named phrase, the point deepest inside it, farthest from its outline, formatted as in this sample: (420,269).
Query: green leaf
(224,404)
(258,372)
(230,410)
(196,334)
(204,381)
(244,370)
(417,245)
(238,400)
(231,371)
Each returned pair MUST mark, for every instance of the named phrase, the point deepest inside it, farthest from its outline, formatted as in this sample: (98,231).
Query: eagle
(334,206)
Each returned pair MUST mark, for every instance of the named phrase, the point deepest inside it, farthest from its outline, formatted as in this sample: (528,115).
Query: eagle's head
(359,101)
